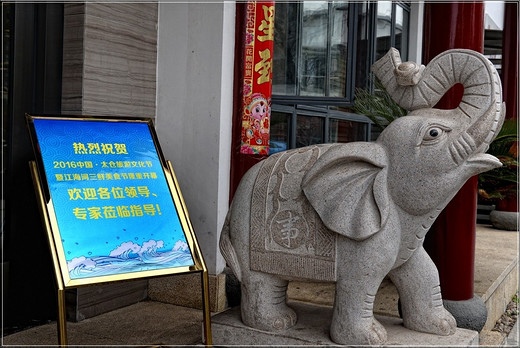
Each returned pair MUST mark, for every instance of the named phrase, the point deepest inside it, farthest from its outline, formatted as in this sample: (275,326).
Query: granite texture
(354,213)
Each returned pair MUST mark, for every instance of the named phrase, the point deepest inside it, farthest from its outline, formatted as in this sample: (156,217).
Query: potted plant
(500,186)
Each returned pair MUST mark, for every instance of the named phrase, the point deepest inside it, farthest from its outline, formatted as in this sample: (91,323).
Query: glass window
(285,58)
(383,28)
(310,49)
(303,125)
(363,46)
(309,130)
(338,50)
(312,75)
(322,52)
(402,20)
(322,49)
(344,131)
(279,132)
(392,28)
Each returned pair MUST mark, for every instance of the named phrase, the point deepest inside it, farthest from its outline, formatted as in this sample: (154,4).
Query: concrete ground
(159,324)
(512,338)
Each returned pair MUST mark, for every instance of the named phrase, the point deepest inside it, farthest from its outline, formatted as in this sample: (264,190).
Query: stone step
(312,328)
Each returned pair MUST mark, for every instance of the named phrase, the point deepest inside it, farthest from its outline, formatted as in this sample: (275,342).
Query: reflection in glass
(338,63)
(279,132)
(309,130)
(285,57)
(314,49)
(362,46)
(384,28)
(344,131)
(401,31)
(310,49)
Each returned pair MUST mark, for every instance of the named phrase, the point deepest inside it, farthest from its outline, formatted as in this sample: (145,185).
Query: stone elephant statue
(354,213)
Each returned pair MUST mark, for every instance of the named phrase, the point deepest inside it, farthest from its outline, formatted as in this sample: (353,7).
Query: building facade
(180,64)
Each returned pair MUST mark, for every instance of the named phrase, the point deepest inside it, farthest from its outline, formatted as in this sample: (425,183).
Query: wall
(194,109)
(109,68)
(109,61)
(172,61)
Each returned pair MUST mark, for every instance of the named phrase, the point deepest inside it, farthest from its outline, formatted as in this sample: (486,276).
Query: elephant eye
(434,133)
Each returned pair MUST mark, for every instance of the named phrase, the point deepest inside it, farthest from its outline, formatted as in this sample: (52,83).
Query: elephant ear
(347,186)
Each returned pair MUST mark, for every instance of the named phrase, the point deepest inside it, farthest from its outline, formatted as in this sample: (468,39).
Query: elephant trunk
(478,136)
(416,87)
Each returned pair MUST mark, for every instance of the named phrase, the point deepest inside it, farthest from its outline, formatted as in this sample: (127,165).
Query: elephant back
(287,237)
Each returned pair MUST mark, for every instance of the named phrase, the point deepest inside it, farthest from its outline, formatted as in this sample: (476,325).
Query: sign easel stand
(62,313)
(49,218)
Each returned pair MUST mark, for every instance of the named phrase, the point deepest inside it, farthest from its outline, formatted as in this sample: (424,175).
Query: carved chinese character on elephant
(354,213)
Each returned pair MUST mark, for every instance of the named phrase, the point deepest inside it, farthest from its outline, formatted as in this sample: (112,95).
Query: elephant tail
(227,250)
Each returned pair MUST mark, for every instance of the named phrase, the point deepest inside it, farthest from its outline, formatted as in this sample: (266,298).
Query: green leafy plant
(378,106)
(502,183)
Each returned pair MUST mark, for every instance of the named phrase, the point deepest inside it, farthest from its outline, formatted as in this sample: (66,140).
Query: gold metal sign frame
(55,236)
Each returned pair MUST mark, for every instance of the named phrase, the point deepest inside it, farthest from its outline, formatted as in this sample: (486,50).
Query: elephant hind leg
(264,303)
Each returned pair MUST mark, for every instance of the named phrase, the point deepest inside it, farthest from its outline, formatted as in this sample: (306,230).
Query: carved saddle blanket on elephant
(287,236)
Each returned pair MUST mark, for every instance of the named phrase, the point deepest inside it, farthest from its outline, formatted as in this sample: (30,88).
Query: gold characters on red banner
(258,55)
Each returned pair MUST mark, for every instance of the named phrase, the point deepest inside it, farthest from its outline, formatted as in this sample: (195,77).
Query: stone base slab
(470,314)
(186,290)
(90,301)
(312,328)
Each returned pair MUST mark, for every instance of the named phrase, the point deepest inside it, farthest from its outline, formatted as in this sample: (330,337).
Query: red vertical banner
(256,103)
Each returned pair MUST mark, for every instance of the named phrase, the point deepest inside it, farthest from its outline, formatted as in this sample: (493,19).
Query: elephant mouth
(483,161)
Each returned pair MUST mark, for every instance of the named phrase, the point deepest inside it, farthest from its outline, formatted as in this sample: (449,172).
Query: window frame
(350,69)
(373,19)
(323,107)
(326,113)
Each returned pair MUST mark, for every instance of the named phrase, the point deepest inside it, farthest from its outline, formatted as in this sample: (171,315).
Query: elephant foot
(276,318)
(367,331)
(441,322)
(263,304)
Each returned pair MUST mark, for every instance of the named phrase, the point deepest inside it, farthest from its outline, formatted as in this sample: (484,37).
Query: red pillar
(451,240)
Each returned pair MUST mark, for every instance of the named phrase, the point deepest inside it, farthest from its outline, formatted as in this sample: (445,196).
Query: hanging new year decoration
(257,77)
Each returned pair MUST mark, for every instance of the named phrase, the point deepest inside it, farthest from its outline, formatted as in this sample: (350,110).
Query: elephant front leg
(263,303)
(418,284)
(353,320)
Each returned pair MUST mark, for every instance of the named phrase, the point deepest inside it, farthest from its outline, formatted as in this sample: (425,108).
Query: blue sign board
(114,209)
